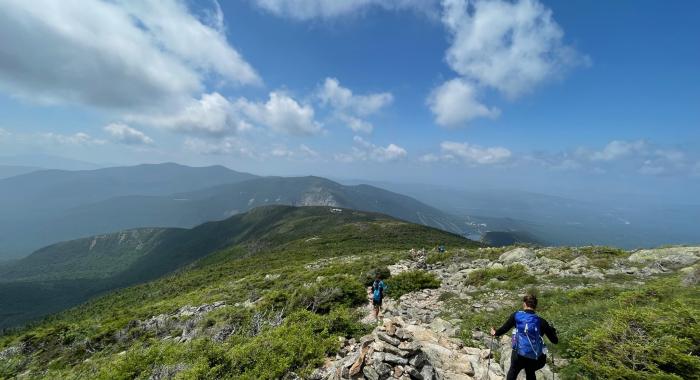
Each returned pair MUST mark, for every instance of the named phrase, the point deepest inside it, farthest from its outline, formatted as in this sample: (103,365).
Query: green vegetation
(411,281)
(508,277)
(649,332)
(613,330)
(602,257)
(295,275)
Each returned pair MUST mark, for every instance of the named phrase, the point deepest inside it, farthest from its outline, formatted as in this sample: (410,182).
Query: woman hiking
(377,296)
(529,352)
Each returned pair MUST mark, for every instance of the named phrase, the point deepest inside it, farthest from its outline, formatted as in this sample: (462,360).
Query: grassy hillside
(65,274)
(303,265)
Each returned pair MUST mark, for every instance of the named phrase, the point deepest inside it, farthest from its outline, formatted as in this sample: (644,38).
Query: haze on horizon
(581,99)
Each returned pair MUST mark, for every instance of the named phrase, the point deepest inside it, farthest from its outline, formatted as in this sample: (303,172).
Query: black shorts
(376,302)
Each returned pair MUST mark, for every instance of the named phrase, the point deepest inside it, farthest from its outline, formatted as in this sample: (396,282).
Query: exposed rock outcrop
(402,350)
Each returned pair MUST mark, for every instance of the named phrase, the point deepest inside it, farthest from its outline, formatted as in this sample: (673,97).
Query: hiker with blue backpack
(378,288)
(529,350)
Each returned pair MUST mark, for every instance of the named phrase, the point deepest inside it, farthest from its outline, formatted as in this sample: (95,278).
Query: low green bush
(509,277)
(368,277)
(329,292)
(652,332)
(411,281)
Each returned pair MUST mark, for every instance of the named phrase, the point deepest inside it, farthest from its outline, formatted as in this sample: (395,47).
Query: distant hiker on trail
(529,351)
(377,295)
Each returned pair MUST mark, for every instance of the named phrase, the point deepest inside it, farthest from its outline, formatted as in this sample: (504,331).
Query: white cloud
(282,114)
(429,158)
(474,154)
(650,167)
(351,108)
(366,151)
(357,125)
(80,138)
(212,115)
(509,46)
(126,55)
(614,150)
(4,133)
(308,152)
(326,9)
(226,146)
(342,99)
(454,103)
(126,135)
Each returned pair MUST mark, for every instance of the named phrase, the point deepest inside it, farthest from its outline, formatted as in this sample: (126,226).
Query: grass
(411,281)
(508,277)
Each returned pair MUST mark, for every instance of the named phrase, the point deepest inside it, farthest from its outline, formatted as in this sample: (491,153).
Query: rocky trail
(417,340)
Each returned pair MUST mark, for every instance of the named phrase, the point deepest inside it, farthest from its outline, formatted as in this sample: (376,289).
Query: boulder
(674,257)
(517,255)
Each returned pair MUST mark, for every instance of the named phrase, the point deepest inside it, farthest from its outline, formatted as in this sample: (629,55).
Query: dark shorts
(376,302)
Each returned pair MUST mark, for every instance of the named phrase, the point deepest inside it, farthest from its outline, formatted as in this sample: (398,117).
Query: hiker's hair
(530,300)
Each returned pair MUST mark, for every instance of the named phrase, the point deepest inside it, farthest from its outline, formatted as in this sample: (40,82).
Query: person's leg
(530,366)
(515,366)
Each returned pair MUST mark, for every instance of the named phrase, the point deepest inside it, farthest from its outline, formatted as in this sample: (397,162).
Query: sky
(579,98)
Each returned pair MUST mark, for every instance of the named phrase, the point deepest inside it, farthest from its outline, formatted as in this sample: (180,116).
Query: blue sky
(566,97)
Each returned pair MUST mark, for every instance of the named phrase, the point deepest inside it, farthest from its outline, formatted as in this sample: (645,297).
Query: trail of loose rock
(413,342)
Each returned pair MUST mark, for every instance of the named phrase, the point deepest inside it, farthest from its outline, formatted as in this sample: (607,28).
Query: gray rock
(370,373)
(427,372)
(394,359)
(384,370)
(414,373)
(674,257)
(691,276)
(518,255)
(389,339)
(419,360)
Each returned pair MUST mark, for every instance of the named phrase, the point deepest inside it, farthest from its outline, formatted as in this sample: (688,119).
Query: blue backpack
(527,337)
(378,290)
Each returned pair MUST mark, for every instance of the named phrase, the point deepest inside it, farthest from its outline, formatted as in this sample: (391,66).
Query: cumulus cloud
(511,47)
(225,146)
(302,152)
(342,98)
(474,154)
(124,134)
(126,55)
(454,103)
(212,115)
(281,113)
(614,150)
(308,152)
(351,108)
(367,151)
(326,9)
(80,138)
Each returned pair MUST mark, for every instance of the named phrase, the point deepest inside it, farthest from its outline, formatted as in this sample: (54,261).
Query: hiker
(377,295)
(529,351)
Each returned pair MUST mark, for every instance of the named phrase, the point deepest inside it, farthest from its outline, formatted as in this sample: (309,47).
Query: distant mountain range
(624,222)
(49,206)
(7,171)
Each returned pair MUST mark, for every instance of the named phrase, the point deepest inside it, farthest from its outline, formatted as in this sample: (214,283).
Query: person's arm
(550,332)
(509,324)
